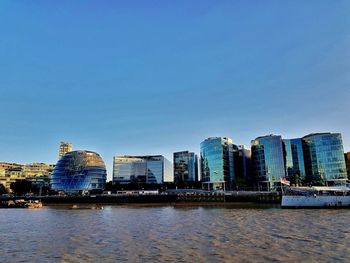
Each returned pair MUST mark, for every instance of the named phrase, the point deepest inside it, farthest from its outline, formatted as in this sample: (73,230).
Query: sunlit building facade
(12,172)
(64,148)
(217,163)
(149,169)
(294,159)
(185,169)
(268,161)
(324,158)
(79,171)
(37,169)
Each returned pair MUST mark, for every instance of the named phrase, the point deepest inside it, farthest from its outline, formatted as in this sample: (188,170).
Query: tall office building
(185,169)
(294,160)
(324,158)
(147,169)
(347,161)
(217,163)
(242,164)
(268,161)
(65,147)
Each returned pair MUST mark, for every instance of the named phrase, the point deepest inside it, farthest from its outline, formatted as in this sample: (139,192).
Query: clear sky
(154,77)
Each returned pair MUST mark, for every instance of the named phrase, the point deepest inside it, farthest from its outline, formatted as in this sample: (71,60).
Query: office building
(79,171)
(324,158)
(148,169)
(294,160)
(347,162)
(185,169)
(12,172)
(242,165)
(268,161)
(217,163)
(37,169)
(65,147)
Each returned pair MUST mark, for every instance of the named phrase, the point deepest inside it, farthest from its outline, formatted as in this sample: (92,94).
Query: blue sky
(154,77)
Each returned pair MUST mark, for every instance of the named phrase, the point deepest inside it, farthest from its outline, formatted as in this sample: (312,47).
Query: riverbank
(178,199)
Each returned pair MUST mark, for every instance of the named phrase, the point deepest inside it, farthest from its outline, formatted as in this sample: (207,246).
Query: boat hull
(299,201)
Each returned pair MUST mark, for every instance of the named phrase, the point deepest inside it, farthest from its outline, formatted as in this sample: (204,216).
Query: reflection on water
(173,234)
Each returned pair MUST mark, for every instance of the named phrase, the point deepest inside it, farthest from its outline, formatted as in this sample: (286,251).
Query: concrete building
(147,169)
(64,148)
(12,172)
(37,169)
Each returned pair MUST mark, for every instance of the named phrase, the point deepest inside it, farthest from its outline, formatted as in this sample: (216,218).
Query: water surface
(173,234)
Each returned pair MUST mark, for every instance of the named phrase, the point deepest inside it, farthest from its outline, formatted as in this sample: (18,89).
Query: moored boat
(20,203)
(316,197)
(34,204)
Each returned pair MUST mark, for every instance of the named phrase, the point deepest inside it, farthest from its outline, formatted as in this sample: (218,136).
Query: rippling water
(173,234)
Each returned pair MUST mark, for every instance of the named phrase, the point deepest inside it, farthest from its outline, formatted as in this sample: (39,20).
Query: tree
(3,190)
(21,187)
(295,179)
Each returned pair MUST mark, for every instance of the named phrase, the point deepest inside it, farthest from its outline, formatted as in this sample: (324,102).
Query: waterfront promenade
(165,198)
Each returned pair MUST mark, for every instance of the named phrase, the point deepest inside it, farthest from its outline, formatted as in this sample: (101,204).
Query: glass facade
(268,161)
(142,169)
(79,171)
(324,158)
(217,163)
(242,163)
(347,161)
(185,167)
(294,160)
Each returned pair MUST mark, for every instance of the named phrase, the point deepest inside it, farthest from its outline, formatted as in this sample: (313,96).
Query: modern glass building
(242,163)
(217,163)
(324,158)
(79,171)
(347,162)
(185,167)
(147,169)
(268,161)
(294,160)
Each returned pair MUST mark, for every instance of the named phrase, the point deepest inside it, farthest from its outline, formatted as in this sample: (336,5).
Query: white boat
(316,197)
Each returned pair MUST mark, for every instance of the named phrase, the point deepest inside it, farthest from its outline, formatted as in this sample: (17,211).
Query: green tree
(3,190)
(21,187)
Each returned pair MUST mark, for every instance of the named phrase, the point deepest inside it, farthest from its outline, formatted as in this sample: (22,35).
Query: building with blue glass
(268,161)
(294,160)
(217,163)
(185,167)
(324,158)
(148,169)
(79,171)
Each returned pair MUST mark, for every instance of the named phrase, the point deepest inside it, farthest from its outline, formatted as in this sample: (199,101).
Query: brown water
(174,234)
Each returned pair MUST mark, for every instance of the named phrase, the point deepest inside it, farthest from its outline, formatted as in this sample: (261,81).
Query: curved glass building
(294,160)
(79,171)
(217,163)
(268,161)
(324,158)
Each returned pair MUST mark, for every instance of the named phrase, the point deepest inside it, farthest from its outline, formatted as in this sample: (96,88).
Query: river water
(174,234)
